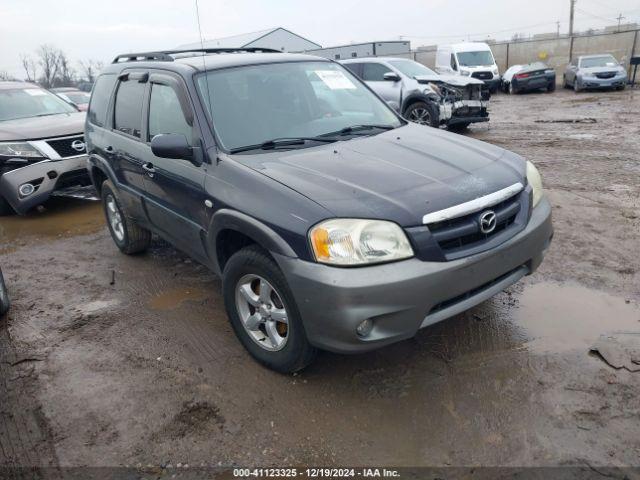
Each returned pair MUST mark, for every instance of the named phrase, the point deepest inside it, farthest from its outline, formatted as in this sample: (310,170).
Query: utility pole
(573,4)
(620,17)
(558,29)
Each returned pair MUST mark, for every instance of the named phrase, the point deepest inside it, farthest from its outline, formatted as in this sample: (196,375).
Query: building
(371,49)
(275,38)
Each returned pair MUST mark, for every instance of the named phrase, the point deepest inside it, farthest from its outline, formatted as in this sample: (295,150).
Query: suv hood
(454,80)
(399,175)
(35,128)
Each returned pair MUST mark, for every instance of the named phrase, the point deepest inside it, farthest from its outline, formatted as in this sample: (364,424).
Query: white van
(469,59)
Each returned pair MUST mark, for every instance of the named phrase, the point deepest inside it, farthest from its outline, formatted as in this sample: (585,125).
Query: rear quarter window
(100,96)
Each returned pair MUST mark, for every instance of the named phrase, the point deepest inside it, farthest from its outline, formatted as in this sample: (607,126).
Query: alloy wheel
(262,312)
(420,115)
(115,218)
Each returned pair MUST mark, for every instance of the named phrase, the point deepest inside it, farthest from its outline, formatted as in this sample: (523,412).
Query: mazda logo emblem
(488,221)
(78,145)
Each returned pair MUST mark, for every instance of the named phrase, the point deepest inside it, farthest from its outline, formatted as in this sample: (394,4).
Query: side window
(100,97)
(355,68)
(165,113)
(128,107)
(374,72)
(453,62)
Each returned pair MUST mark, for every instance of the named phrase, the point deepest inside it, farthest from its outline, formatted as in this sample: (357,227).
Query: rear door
(125,148)
(174,187)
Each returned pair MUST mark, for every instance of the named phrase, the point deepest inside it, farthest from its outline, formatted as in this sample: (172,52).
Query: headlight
(344,241)
(495,71)
(466,73)
(433,87)
(18,149)
(535,180)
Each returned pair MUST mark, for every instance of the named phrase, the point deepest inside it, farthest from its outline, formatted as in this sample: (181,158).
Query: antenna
(204,63)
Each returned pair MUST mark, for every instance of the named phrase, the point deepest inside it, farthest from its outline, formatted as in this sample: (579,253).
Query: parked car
(75,96)
(594,71)
(41,146)
(333,222)
(4,296)
(421,94)
(469,59)
(525,78)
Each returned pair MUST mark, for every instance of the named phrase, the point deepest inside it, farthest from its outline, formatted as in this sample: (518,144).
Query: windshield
(31,102)
(253,104)
(604,61)
(79,98)
(475,59)
(411,69)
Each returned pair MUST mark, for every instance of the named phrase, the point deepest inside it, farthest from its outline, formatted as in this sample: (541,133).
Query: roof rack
(165,56)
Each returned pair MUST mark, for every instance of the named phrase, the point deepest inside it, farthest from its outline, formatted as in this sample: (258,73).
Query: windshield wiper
(353,129)
(281,142)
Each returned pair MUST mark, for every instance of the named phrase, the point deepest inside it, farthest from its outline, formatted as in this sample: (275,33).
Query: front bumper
(464,111)
(403,297)
(47,176)
(595,82)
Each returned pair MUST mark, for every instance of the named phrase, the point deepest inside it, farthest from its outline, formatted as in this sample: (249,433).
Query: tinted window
(355,68)
(165,113)
(100,99)
(482,58)
(374,72)
(128,108)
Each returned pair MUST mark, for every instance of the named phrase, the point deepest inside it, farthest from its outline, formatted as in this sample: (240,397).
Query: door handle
(148,167)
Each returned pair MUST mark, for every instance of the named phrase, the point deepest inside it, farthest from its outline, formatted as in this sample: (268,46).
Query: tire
(423,113)
(565,85)
(512,89)
(576,86)
(4,296)
(458,127)
(621,87)
(5,208)
(551,87)
(126,234)
(246,271)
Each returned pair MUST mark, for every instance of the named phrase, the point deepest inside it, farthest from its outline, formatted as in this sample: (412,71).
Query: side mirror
(171,145)
(391,77)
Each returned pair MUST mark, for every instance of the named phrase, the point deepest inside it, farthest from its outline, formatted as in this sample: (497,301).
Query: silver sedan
(594,72)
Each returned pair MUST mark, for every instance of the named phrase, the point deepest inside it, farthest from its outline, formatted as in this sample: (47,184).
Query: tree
(49,60)
(30,67)
(90,68)
(66,72)
(6,76)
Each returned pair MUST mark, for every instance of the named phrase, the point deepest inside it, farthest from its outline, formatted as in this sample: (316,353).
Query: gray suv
(421,95)
(42,147)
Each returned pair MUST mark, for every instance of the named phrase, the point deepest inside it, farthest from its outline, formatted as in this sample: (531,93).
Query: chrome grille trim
(472,205)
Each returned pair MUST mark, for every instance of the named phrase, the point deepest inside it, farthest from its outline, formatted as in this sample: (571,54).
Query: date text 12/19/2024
(315,473)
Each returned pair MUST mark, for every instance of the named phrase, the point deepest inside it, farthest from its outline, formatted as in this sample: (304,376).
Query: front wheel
(129,237)
(4,296)
(512,89)
(551,87)
(263,312)
(576,86)
(423,113)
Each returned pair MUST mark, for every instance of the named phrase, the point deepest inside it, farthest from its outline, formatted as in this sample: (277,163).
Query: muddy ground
(112,360)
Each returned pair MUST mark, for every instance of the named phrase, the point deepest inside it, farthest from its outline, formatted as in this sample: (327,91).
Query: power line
(480,33)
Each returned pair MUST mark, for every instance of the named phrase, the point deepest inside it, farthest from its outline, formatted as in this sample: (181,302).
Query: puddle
(560,318)
(175,297)
(60,218)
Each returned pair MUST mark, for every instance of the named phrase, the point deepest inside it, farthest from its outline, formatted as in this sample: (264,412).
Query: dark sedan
(526,78)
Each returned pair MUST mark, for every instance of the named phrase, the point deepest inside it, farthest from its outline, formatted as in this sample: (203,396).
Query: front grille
(482,75)
(63,147)
(464,232)
(606,74)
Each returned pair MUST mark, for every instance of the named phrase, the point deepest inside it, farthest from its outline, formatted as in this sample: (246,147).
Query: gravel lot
(110,360)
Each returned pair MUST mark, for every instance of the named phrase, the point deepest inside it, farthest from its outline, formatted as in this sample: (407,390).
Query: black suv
(333,222)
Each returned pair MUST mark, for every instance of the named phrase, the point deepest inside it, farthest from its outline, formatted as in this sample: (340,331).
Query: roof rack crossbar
(165,56)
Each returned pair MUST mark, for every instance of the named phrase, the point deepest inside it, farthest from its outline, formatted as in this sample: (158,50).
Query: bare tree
(66,73)
(90,68)
(30,67)
(6,76)
(49,60)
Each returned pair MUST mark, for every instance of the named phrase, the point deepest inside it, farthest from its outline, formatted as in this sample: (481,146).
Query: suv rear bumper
(403,297)
(47,176)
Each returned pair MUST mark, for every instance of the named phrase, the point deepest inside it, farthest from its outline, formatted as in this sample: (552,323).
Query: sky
(89,29)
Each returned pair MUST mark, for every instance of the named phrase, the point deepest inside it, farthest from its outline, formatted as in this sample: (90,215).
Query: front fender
(263,235)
